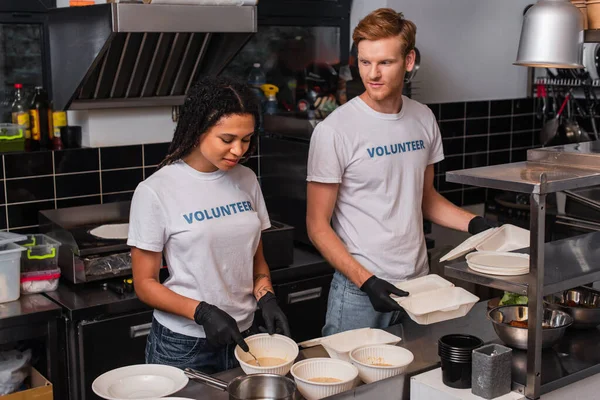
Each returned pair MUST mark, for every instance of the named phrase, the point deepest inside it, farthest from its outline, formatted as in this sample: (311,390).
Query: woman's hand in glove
(274,318)
(220,328)
(379,292)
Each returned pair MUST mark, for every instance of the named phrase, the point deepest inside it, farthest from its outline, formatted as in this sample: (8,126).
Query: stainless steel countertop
(27,309)
(420,339)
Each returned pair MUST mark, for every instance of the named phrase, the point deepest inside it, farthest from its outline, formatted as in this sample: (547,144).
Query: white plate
(142,381)
(512,272)
(494,259)
(111,231)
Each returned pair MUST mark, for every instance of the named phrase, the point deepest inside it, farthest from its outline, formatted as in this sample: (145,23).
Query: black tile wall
(155,153)
(76,160)
(452,111)
(121,157)
(481,133)
(30,182)
(121,180)
(28,164)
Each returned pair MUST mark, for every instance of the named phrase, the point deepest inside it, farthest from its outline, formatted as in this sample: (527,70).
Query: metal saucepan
(556,320)
(582,303)
(250,387)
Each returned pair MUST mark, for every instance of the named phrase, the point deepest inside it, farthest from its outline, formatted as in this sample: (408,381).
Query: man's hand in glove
(379,292)
(220,328)
(274,318)
(479,224)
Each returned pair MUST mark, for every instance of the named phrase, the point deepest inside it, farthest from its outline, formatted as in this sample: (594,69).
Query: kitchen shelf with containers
(556,271)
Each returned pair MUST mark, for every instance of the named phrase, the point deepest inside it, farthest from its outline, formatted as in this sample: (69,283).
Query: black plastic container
(455,352)
(278,245)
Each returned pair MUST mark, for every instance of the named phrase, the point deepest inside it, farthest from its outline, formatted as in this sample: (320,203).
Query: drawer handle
(140,330)
(304,295)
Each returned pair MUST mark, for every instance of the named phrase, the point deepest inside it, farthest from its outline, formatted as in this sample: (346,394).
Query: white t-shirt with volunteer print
(209,226)
(379,160)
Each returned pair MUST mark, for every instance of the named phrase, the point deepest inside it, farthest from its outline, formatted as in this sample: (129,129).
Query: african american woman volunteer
(206,212)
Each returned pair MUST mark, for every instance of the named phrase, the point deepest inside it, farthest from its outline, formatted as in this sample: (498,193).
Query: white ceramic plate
(111,231)
(494,259)
(144,381)
(509,272)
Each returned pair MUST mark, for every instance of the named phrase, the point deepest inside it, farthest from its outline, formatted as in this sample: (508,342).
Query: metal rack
(570,262)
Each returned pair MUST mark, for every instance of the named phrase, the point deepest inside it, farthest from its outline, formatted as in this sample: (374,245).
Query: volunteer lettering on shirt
(379,161)
(218,212)
(396,148)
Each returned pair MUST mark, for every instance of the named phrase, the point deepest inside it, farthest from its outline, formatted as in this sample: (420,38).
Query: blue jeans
(350,308)
(171,348)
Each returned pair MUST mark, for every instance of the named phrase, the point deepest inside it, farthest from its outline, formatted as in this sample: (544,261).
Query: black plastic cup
(456,352)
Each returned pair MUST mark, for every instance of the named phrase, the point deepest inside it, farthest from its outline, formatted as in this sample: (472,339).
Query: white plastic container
(265,345)
(340,345)
(304,370)
(443,304)
(506,238)
(423,284)
(10,272)
(365,357)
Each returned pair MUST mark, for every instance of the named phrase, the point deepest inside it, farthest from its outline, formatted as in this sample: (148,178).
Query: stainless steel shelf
(568,263)
(575,357)
(526,177)
(547,170)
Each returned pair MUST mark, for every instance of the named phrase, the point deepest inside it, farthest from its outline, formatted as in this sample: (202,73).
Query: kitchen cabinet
(304,303)
(122,337)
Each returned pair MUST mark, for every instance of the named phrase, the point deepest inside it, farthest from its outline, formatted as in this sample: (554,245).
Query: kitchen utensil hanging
(550,129)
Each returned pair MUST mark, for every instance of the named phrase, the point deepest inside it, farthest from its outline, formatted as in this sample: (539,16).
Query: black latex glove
(379,293)
(219,327)
(274,318)
(479,224)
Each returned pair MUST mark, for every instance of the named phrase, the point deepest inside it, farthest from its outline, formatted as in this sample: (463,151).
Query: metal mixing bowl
(582,303)
(517,337)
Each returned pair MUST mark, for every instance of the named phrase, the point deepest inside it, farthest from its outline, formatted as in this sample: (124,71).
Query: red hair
(384,23)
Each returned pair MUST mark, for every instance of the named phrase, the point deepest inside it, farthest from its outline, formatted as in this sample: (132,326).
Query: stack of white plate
(498,263)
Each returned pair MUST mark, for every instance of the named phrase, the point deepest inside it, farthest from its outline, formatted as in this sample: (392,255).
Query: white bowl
(265,345)
(365,356)
(304,370)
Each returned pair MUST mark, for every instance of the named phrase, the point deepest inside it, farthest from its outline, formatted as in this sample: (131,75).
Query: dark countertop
(421,340)
(93,299)
(26,317)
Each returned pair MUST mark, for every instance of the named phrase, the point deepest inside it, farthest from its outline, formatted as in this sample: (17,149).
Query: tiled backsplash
(481,133)
(56,179)
(474,134)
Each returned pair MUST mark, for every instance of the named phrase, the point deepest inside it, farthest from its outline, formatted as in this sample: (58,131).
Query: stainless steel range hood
(132,55)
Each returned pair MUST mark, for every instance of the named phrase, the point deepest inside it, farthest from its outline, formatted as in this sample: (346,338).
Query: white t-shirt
(209,226)
(379,160)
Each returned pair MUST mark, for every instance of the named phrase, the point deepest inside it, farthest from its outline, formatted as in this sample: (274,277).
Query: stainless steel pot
(250,387)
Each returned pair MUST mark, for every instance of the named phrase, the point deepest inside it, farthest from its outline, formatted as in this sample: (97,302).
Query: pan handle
(206,379)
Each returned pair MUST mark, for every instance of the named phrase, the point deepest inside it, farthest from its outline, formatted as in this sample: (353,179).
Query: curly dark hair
(210,99)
